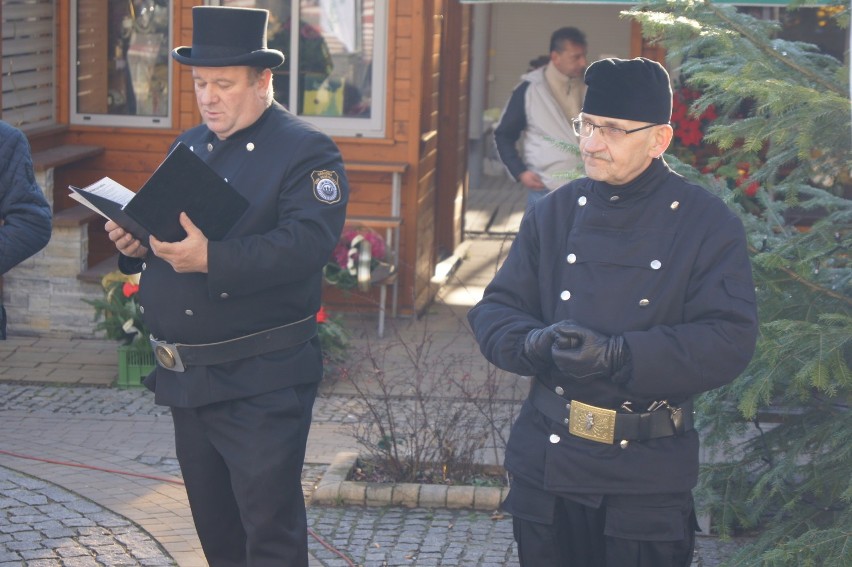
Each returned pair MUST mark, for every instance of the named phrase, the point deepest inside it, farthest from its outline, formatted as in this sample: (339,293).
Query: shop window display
(337,85)
(134,52)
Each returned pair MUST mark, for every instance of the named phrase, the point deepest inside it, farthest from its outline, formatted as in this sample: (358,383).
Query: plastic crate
(133,366)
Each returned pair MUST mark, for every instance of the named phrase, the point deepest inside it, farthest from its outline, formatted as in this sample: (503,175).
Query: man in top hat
(235,319)
(625,294)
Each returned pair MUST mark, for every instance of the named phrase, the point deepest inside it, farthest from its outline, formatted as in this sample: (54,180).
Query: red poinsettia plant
(688,143)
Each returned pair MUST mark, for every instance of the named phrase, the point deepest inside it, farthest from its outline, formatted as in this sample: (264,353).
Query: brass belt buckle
(167,355)
(590,422)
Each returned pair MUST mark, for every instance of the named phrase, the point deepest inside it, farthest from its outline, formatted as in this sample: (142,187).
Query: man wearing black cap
(625,294)
(235,320)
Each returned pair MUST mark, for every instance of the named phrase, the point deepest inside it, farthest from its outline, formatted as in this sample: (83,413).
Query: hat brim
(265,58)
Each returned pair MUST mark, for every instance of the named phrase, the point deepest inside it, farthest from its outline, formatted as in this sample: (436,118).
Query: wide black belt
(609,426)
(177,356)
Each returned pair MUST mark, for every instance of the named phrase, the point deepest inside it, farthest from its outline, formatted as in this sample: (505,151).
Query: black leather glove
(584,355)
(539,343)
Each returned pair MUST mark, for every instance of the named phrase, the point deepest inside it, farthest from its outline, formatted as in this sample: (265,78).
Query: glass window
(120,62)
(339,64)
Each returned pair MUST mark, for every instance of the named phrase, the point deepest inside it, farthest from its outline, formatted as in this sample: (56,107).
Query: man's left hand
(187,255)
(584,355)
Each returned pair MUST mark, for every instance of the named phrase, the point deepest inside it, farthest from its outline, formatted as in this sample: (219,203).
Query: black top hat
(228,37)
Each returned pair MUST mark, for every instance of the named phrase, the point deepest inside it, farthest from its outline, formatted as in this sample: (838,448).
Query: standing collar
(639,188)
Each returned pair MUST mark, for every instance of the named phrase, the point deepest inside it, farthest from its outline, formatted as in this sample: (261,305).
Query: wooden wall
(416,91)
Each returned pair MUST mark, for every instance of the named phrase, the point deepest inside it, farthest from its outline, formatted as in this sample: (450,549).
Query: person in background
(233,322)
(625,294)
(538,62)
(539,113)
(25,217)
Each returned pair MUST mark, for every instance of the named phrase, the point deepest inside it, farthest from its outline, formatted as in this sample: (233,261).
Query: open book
(183,182)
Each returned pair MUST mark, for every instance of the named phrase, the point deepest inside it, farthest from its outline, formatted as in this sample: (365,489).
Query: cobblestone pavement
(388,537)
(44,525)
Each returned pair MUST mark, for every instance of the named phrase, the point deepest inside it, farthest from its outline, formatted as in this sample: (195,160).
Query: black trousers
(638,531)
(242,464)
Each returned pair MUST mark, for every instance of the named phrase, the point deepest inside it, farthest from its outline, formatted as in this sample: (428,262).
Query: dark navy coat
(25,218)
(266,272)
(661,262)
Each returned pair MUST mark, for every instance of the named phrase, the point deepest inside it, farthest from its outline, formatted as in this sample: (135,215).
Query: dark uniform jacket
(265,273)
(660,261)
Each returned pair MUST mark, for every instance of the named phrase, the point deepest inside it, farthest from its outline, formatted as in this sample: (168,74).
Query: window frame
(344,126)
(118,120)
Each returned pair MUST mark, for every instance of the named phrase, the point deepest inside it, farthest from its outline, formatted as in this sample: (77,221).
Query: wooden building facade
(410,178)
(438,67)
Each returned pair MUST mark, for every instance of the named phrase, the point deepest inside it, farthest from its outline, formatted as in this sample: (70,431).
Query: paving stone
(400,533)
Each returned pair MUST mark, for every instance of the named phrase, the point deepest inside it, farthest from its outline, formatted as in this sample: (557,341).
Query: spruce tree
(779,113)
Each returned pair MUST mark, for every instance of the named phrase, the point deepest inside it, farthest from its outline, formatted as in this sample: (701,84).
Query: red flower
(678,111)
(129,289)
(752,188)
(688,130)
(322,316)
(689,133)
(709,114)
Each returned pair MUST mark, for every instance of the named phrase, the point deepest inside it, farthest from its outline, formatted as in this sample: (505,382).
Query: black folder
(183,182)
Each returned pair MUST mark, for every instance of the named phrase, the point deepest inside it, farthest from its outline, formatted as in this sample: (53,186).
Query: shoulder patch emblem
(326,187)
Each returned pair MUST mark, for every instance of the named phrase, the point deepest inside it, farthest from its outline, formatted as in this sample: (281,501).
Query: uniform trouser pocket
(650,530)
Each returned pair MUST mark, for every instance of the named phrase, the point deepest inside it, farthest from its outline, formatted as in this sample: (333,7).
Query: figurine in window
(147,56)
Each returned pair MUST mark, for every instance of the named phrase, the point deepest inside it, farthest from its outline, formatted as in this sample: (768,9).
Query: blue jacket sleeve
(25,218)
(512,124)
(511,307)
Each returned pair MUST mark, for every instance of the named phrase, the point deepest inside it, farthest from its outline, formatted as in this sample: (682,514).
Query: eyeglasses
(585,129)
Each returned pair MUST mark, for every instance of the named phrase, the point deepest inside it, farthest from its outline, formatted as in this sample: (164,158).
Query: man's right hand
(531,180)
(124,241)
(539,343)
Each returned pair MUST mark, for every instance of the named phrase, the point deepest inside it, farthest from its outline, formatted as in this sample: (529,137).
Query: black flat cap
(629,89)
